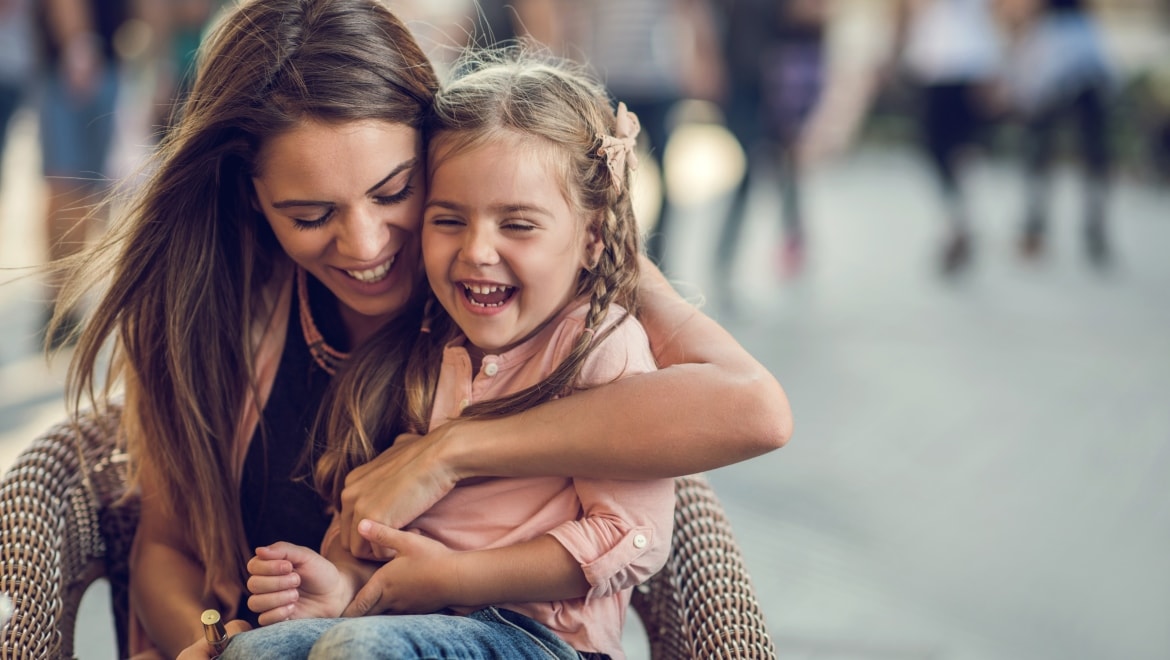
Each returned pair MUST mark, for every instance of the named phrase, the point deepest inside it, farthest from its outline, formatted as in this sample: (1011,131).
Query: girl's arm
(709,405)
(425,575)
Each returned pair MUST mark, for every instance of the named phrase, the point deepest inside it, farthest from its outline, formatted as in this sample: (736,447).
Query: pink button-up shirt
(619,531)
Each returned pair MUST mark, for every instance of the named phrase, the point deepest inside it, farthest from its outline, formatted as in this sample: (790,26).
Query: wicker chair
(65,521)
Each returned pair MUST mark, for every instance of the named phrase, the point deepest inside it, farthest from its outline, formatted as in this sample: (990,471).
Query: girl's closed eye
(518,226)
(446,222)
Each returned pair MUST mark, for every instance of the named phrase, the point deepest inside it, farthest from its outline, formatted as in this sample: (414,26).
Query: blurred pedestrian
(77,102)
(775,58)
(951,52)
(502,22)
(17,61)
(178,27)
(1059,75)
(651,54)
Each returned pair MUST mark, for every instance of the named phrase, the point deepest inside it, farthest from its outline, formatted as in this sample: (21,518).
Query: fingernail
(365,525)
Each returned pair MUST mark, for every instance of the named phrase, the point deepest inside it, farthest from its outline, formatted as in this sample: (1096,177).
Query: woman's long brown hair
(187,263)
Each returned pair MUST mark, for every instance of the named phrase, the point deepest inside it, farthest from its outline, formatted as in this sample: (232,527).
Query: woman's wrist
(452,452)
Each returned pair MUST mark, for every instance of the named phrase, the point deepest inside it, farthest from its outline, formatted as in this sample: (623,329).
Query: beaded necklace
(326,357)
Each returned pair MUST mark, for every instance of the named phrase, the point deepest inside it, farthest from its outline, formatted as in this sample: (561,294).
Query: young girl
(531,249)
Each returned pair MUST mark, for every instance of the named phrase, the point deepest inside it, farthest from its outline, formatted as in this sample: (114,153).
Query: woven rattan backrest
(65,521)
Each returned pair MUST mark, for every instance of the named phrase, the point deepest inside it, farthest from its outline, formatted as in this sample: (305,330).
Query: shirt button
(639,541)
(491,368)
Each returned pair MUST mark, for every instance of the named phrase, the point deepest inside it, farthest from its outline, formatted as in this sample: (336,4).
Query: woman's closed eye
(395,198)
(381,200)
(316,222)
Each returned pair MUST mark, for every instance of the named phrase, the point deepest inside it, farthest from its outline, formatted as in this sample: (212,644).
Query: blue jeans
(487,633)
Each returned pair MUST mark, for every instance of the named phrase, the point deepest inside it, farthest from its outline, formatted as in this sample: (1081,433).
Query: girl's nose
(479,247)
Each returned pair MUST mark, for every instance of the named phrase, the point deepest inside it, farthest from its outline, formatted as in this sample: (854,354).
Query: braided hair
(516,91)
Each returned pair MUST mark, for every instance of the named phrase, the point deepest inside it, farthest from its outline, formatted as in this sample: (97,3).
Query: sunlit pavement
(978,466)
(978,469)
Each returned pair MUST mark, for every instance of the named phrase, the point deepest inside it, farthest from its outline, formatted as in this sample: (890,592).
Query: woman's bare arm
(166,583)
(710,404)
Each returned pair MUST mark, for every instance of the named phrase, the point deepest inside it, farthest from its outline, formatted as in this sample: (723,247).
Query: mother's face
(345,202)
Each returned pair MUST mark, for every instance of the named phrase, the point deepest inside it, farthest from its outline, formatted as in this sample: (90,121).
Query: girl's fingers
(277,603)
(258,566)
(265,584)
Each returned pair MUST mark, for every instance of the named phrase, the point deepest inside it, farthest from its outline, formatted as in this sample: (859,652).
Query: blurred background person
(651,54)
(501,22)
(775,58)
(1058,76)
(78,97)
(177,29)
(950,51)
(17,61)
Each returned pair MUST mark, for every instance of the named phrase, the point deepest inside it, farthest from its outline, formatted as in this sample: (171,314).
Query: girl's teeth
(373,274)
(476,294)
(485,288)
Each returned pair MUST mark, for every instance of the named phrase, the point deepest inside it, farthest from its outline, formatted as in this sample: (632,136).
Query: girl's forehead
(503,144)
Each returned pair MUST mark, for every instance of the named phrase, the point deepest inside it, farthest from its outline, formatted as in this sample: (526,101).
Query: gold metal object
(214,632)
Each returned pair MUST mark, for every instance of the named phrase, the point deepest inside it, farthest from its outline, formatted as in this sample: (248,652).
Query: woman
(279,231)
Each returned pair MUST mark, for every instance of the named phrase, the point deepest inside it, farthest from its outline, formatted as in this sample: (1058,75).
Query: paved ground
(978,468)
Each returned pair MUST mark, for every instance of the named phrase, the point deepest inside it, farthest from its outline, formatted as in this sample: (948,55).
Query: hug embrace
(392,348)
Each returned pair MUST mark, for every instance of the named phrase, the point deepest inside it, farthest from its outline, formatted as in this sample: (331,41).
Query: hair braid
(513,91)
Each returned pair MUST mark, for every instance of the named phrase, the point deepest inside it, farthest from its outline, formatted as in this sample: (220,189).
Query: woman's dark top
(277,497)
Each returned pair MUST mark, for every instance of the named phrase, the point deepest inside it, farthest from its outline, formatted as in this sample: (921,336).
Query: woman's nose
(362,237)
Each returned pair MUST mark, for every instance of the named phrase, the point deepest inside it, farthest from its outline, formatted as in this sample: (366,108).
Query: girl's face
(344,201)
(501,244)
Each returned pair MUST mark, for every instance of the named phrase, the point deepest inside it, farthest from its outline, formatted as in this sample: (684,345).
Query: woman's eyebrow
(406,165)
(393,173)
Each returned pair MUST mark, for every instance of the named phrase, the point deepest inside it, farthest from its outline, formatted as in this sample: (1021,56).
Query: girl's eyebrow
(406,165)
(499,209)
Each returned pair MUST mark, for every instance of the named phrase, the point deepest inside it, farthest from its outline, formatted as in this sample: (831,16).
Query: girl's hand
(293,582)
(201,650)
(420,575)
(397,486)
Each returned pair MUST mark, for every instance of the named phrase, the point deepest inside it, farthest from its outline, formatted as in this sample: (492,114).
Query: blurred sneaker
(1097,245)
(790,257)
(956,254)
(1031,244)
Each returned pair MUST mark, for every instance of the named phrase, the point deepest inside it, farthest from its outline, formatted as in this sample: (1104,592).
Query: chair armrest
(702,603)
(63,524)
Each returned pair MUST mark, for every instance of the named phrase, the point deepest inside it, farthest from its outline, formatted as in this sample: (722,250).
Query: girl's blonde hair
(509,92)
(516,91)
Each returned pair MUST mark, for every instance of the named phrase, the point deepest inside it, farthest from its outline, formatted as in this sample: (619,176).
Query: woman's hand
(201,650)
(417,578)
(398,485)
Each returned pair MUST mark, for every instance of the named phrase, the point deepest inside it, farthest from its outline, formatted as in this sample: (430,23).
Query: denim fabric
(77,134)
(487,633)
